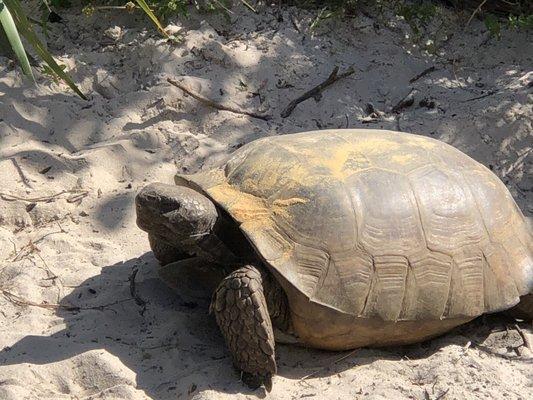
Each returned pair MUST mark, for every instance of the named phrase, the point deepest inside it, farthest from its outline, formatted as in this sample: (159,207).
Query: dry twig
(23,302)
(214,104)
(454,71)
(76,195)
(295,23)
(490,351)
(407,101)
(332,78)
(475,12)
(249,6)
(524,337)
(25,180)
(30,247)
(422,74)
(344,357)
(223,7)
(489,93)
(518,162)
(440,396)
(138,300)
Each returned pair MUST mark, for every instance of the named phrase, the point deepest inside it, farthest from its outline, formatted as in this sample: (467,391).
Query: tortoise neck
(228,242)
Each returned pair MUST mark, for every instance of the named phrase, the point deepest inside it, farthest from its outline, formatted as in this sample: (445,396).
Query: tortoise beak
(154,209)
(174,212)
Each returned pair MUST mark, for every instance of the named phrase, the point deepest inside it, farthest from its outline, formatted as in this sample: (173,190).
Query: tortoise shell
(377,224)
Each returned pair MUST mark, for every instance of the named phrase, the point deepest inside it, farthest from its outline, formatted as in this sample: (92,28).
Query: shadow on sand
(171,342)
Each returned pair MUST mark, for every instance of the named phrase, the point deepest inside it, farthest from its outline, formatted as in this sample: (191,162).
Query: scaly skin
(241,312)
(165,253)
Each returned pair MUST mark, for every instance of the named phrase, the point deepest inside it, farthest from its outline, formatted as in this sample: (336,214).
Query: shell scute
(386,213)
(447,211)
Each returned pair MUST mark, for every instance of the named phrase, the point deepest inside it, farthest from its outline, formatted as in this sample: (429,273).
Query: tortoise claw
(254,381)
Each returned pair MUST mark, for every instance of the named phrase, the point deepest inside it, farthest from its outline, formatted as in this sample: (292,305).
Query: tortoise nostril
(157,203)
(167,205)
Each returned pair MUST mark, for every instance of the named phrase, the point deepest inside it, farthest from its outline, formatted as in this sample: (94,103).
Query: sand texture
(69,170)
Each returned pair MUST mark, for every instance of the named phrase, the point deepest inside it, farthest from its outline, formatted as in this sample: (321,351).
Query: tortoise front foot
(241,313)
(255,381)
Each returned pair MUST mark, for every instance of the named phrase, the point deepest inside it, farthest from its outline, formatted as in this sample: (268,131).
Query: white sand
(136,128)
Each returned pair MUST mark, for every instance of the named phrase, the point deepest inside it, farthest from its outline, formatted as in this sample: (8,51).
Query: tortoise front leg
(192,277)
(163,251)
(241,313)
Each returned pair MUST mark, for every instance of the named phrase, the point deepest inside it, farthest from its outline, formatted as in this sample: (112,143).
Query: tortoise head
(178,214)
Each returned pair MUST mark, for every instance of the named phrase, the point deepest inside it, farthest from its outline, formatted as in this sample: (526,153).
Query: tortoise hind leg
(524,309)
(241,313)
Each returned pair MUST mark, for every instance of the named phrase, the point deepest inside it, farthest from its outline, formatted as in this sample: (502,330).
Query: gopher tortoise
(339,239)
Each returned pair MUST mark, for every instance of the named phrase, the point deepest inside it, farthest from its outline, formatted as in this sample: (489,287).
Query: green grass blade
(151,15)
(27,31)
(6,20)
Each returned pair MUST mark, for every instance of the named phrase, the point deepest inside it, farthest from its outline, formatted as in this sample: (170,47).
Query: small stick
(422,74)
(14,246)
(23,302)
(344,357)
(216,105)
(332,78)
(524,337)
(21,173)
(488,350)
(77,193)
(223,7)
(77,196)
(475,12)
(294,23)
(248,5)
(407,101)
(30,246)
(138,300)
(96,8)
(440,396)
(490,93)
(455,72)
(515,164)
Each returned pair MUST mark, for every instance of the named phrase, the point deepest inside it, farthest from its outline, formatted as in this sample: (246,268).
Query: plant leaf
(27,31)
(6,20)
(493,25)
(152,16)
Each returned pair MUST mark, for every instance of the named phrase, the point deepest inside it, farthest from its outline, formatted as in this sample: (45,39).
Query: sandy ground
(69,170)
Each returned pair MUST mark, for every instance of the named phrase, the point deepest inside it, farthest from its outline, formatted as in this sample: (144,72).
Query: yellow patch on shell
(289,202)
(344,159)
(402,159)
(423,142)
(242,206)
(280,206)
